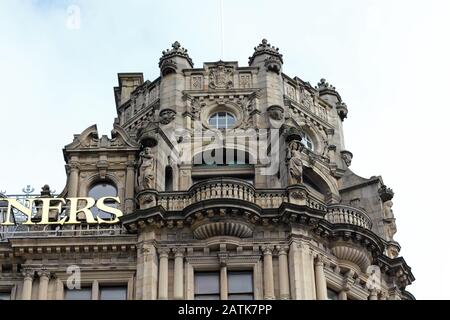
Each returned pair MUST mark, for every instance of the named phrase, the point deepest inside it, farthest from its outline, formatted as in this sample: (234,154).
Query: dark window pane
(113,293)
(240,297)
(78,294)
(240,282)
(5,296)
(207,283)
(102,190)
(332,295)
(207,297)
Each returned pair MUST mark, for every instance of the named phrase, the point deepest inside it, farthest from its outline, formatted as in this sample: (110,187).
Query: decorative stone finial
(176,51)
(385,193)
(265,48)
(324,85)
(45,191)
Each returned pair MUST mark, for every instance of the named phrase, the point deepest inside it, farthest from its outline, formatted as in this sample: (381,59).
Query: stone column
(283,273)
(373,295)
(321,282)
(223,283)
(178,274)
(95,295)
(269,293)
(44,277)
(342,295)
(74,171)
(129,187)
(163,282)
(27,284)
(59,289)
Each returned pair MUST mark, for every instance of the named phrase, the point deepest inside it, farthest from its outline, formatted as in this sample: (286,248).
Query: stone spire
(269,55)
(170,58)
(325,88)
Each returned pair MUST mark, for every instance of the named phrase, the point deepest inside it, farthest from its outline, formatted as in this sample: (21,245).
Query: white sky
(390,61)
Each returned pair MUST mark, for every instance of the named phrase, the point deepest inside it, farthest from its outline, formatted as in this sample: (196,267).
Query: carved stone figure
(347,157)
(389,220)
(166,116)
(276,112)
(147,169)
(295,164)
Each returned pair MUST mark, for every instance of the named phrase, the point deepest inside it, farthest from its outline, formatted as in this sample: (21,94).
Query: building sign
(59,211)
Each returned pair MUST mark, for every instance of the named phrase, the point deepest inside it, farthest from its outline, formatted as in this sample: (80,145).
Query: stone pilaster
(129,187)
(301,273)
(373,295)
(74,172)
(269,292)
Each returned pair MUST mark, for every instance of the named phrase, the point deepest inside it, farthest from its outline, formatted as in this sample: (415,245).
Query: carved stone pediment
(89,139)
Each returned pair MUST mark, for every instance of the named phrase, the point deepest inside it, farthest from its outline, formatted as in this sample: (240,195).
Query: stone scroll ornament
(147,169)
(295,164)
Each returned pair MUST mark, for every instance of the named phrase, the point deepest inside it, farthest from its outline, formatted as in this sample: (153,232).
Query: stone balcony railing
(226,188)
(222,188)
(338,213)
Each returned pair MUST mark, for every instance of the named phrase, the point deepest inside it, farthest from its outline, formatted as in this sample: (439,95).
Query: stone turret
(172,63)
(269,61)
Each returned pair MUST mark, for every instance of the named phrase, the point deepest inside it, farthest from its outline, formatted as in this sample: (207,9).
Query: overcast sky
(389,61)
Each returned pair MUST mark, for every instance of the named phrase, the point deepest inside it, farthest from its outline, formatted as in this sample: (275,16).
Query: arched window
(100,190)
(222,120)
(169,179)
(307,141)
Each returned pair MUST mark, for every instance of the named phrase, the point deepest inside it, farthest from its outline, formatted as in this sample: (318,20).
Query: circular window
(307,141)
(222,120)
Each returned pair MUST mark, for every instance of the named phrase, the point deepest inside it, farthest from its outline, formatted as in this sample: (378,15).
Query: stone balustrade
(338,213)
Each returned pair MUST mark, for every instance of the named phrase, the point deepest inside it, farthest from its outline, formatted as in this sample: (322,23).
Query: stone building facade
(234,183)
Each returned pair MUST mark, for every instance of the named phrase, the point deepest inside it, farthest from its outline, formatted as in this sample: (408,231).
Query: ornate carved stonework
(276,112)
(166,116)
(245,80)
(295,164)
(221,77)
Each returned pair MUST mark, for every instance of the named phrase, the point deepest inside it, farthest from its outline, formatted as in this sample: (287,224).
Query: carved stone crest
(221,77)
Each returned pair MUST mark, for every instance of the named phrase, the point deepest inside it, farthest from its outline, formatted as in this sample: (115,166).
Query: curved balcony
(339,213)
(222,188)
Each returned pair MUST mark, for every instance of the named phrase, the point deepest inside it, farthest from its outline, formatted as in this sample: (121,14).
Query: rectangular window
(78,294)
(5,295)
(240,285)
(207,286)
(113,293)
(332,295)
